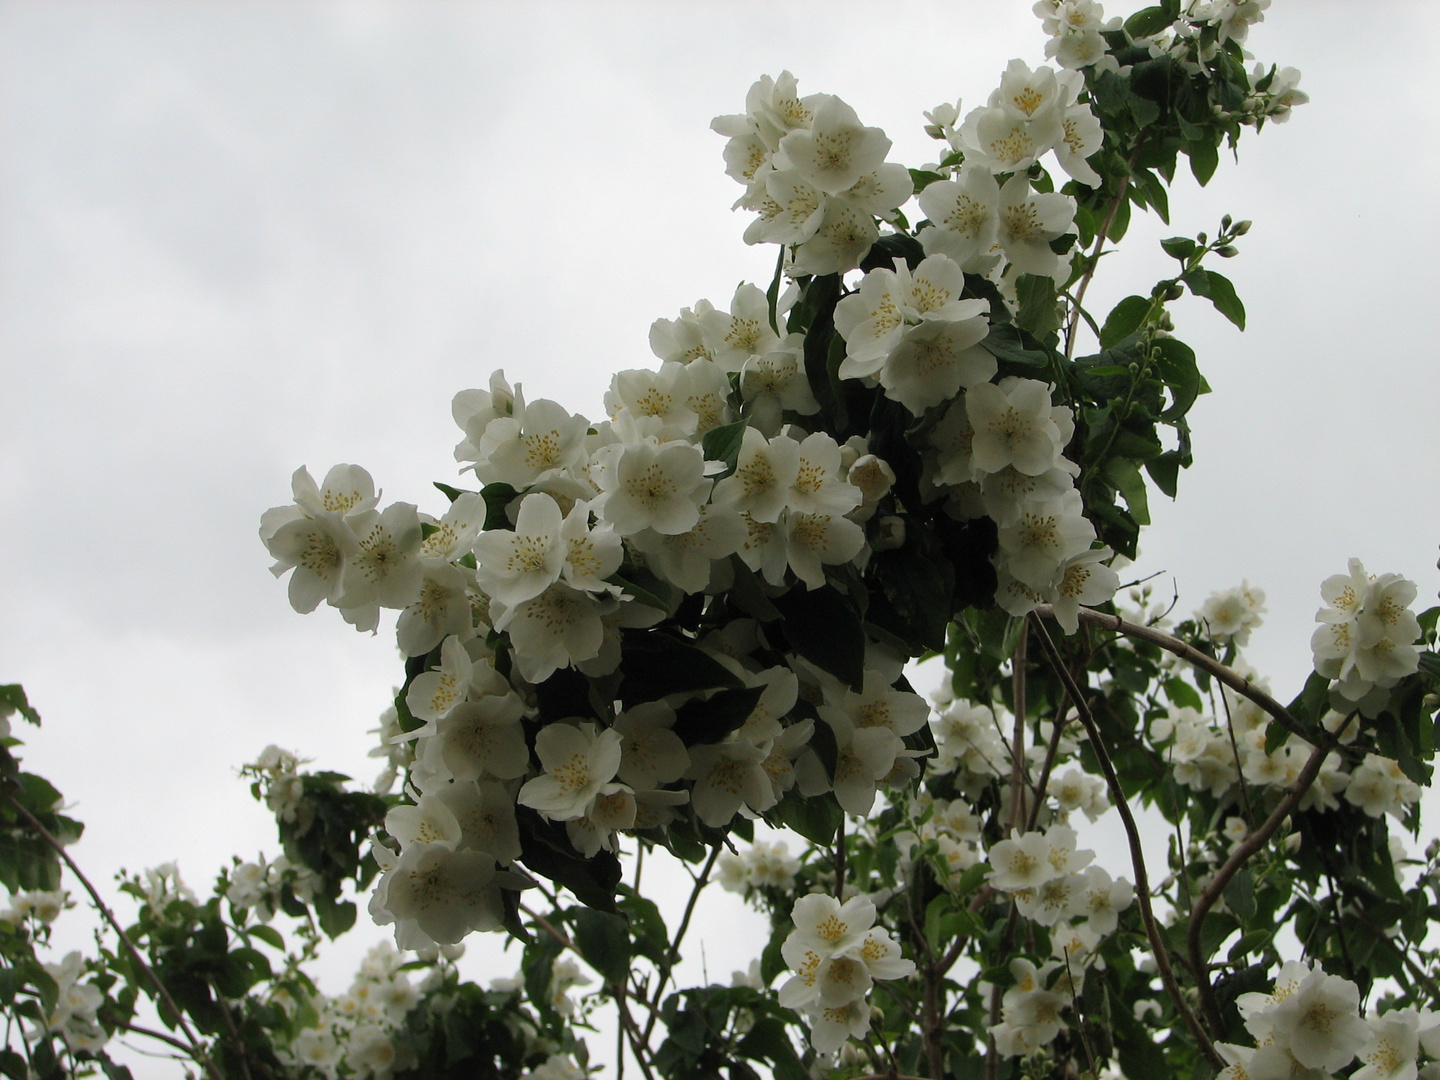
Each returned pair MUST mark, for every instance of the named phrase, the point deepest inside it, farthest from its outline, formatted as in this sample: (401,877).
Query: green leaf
(603,941)
(816,819)
(267,934)
(647,927)
(1038,311)
(1180,247)
(1222,295)
(1147,22)
(13,1065)
(1240,894)
(1204,158)
(451,493)
(1165,471)
(1175,363)
(13,696)
(1124,319)
(1430,664)
(723,443)
(1125,475)
(923,178)
(1183,694)
(655,664)
(710,720)
(1006,343)
(497,497)
(823,628)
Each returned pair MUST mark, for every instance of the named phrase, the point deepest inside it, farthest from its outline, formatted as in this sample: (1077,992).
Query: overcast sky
(239,238)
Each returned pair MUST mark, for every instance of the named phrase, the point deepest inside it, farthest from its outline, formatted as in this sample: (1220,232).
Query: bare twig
(1239,856)
(1137,854)
(673,954)
(1195,658)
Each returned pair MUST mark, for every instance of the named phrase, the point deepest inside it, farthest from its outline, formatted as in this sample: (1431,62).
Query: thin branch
(1051,751)
(1239,856)
(1192,656)
(150,1033)
(196,1049)
(1018,664)
(673,955)
(1093,260)
(839,859)
(1137,854)
(230,1025)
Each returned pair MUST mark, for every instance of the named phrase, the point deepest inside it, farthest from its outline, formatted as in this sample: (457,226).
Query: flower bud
(1242,227)
(1226,222)
(890,534)
(1174,292)
(1227,251)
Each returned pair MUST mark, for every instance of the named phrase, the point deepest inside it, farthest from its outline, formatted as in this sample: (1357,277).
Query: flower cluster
(816,175)
(760,866)
(837,953)
(1365,641)
(359,1034)
(73,1017)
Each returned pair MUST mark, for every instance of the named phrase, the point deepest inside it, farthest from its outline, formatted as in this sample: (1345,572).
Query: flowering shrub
(654,630)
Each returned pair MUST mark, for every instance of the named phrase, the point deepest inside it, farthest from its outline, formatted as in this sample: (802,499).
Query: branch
(196,1049)
(674,954)
(1137,855)
(1238,858)
(1093,262)
(1192,656)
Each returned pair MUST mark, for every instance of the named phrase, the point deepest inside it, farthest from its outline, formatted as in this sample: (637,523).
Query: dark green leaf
(1240,894)
(1038,311)
(1165,471)
(817,819)
(497,497)
(656,664)
(821,626)
(451,493)
(1222,295)
(1176,365)
(723,443)
(1204,158)
(1147,22)
(1124,319)
(1180,247)
(1125,475)
(711,719)
(13,695)
(603,941)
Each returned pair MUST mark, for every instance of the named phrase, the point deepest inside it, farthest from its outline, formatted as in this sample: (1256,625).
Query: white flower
(385,567)
(654,487)
(1230,615)
(765,471)
(435,895)
(964,218)
(513,567)
(1014,424)
(578,762)
(835,151)
(729,777)
(539,440)
(556,629)
(1028,222)
(1393,1046)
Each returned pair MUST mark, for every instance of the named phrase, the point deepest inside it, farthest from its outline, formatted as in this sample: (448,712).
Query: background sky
(238,238)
